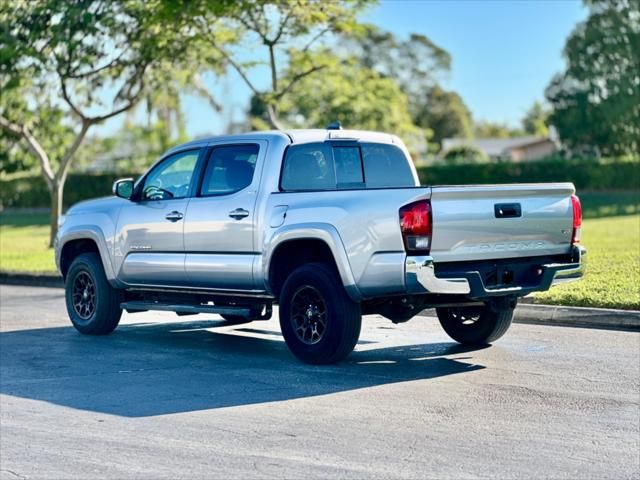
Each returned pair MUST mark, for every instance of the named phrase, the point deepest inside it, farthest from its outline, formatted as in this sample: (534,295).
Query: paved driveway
(167,397)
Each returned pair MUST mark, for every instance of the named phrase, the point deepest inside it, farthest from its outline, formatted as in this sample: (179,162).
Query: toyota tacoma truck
(330,225)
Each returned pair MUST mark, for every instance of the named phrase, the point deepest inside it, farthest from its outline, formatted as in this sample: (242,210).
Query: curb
(532,314)
(32,280)
(579,317)
(604,318)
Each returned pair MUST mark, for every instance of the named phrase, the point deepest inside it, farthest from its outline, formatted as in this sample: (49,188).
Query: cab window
(171,179)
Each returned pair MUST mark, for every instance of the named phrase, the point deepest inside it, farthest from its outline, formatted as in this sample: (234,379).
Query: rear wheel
(93,304)
(476,325)
(319,322)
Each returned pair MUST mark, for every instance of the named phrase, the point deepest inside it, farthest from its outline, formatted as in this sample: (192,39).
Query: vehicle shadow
(155,369)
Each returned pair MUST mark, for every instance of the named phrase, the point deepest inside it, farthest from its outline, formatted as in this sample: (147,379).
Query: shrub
(464,154)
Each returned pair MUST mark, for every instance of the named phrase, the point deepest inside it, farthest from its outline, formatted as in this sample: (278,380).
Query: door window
(171,179)
(229,169)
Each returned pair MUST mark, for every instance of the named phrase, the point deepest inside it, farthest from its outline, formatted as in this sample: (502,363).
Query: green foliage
(485,129)
(31,191)
(608,174)
(444,113)
(357,97)
(535,121)
(465,154)
(285,32)
(416,64)
(596,101)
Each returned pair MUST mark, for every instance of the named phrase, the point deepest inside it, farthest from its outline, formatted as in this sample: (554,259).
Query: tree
(358,97)
(287,31)
(445,113)
(461,154)
(417,64)
(596,100)
(535,120)
(486,129)
(67,66)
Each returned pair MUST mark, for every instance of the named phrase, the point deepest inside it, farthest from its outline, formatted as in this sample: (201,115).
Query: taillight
(577,219)
(416,224)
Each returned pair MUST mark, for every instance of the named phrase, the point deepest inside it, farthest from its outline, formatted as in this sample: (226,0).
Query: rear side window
(326,166)
(309,167)
(386,166)
(229,169)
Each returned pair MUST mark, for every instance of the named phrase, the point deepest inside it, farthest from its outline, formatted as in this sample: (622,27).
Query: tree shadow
(155,369)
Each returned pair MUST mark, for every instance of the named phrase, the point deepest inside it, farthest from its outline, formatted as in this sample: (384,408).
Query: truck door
(219,229)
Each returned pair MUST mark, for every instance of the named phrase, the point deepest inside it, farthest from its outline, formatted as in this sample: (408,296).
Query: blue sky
(504,53)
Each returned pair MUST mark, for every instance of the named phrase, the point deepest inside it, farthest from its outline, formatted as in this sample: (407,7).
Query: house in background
(517,149)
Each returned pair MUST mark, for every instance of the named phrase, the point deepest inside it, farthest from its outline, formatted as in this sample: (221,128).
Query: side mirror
(123,188)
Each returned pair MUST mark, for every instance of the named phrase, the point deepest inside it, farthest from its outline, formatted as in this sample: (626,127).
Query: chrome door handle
(174,216)
(238,213)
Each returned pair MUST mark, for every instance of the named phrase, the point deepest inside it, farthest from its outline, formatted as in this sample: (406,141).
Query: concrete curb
(581,317)
(603,318)
(32,280)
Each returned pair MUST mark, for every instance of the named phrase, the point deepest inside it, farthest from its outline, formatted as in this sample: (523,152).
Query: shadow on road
(154,369)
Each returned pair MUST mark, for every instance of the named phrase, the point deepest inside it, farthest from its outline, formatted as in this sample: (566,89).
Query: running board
(141,306)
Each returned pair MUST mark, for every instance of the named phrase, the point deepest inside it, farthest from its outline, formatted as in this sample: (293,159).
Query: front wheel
(92,304)
(319,322)
(476,326)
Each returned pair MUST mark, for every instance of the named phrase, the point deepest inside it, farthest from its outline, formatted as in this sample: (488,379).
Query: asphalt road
(170,397)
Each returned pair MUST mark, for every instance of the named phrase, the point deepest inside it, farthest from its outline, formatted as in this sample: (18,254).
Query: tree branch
(201,89)
(296,78)
(34,146)
(65,162)
(315,38)
(281,27)
(238,69)
(273,118)
(97,70)
(65,96)
(272,64)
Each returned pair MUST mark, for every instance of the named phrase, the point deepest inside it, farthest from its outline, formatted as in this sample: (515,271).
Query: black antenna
(334,126)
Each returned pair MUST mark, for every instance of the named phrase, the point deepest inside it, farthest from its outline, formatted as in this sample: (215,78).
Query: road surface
(186,397)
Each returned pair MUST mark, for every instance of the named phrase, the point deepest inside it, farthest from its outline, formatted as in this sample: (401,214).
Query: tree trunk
(55,194)
(272,114)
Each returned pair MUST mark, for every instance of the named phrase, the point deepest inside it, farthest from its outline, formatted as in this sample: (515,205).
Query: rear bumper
(421,277)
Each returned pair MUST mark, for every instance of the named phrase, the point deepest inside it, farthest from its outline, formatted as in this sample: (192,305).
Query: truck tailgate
(483,222)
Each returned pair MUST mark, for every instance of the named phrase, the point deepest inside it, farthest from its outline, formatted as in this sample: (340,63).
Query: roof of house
(494,146)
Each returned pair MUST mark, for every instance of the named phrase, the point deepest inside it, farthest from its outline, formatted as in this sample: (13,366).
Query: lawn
(611,234)
(613,267)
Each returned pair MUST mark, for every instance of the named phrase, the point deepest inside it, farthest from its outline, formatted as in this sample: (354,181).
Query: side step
(142,306)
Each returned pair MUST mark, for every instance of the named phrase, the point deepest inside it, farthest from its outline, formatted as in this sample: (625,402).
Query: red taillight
(577,219)
(416,225)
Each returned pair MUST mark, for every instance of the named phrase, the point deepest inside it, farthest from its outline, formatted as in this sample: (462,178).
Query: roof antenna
(334,126)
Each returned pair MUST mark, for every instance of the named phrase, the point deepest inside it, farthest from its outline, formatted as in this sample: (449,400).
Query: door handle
(174,216)
(238,213)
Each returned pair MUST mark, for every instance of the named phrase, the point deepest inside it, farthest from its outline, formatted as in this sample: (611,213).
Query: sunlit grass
(613,267)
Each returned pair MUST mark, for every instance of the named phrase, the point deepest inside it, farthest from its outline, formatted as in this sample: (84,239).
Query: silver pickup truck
(329,224)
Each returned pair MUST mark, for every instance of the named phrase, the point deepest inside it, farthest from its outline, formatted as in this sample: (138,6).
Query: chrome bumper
(420,277)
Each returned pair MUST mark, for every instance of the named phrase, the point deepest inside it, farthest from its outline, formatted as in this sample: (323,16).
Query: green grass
(24,242)
(612,279)
(610,232)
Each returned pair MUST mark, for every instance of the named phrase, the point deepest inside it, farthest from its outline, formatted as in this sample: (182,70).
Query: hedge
(585,174)
(31,191)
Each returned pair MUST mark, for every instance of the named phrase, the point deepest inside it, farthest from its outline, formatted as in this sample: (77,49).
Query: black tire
(100,316)
(318,285)
(476,326)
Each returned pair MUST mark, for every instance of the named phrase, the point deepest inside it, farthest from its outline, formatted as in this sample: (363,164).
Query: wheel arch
(296,245)
(79,241)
